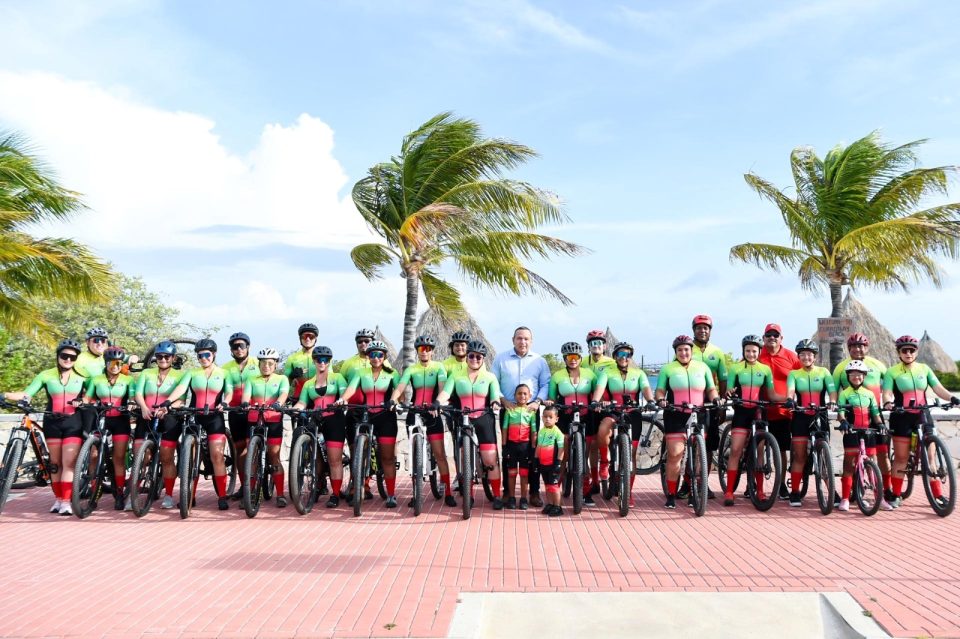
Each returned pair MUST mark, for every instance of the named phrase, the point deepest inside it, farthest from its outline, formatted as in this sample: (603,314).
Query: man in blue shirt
(518,366)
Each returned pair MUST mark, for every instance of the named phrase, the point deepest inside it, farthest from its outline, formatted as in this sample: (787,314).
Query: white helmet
(268,353)
(857,366)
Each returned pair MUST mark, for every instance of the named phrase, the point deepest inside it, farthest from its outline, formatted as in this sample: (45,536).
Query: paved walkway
(388,574)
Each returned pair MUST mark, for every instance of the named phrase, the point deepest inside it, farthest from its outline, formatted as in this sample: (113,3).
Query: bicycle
(694,459)
(937,464)
(92,477)
(819,459)
(193,456)
(146,480)
(423,464)
(470,468)
(256,488)
(866,473)
(771,466)
(621,456)
(15,472)
(576,462)
(308,464)
(364,460)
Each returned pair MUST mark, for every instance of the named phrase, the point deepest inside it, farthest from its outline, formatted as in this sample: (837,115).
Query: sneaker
(633,502)
(556,511)
(844,505)
(56,506)
(836,499)
(795,500)
(888,495)
(728,499)
(684,491)
(411,503)
(710,494)
(223,504)
(546,509)
(510,503)
(497,503)
(942,501)
(671,502)
(118,502)
(450,501)
(690,501)
(128,503)
(885,505)
(333,502)
(746,494)
(65,508)
(535,500)
(523,504)
(594,489)
(167,503)
(237,495)
(784,493)
(281,501)
(896,501)
(367,494)
(391,502)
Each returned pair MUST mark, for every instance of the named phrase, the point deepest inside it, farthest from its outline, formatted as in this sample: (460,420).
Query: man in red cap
(781,361)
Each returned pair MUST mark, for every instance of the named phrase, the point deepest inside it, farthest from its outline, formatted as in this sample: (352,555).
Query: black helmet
(376,345)
(364,333)
(205,344)
(571,348)
(96,332)
(756,340)
(621,346)
(71,344)
(239,336)
(476,346)
(322,351)
(425,340)
(807,345)
(114,353)
(308,328)
(682,340)
(166,347)
(459,336)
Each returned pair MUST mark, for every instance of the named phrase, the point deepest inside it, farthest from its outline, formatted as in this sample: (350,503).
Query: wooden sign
(834,329)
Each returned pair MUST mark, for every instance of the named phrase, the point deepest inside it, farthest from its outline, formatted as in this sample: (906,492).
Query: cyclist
(858,409)
(905,385)
(811,385)
(61,426)
(682,381)
(781,361)
(749,380)
(473,390)
(355,363)
(376,384)
(574,384)
(241,366)
(268,388)
(299,366)
(457,362)
(320,391)
(154,386)
(519,432)
(716,361)
(90,363)
(210,387)
(625,384)
(115,389)
(550,457)
(427,379)
(597,362)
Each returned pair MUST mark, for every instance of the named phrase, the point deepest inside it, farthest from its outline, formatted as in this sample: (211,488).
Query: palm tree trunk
(836,300)
(410,318)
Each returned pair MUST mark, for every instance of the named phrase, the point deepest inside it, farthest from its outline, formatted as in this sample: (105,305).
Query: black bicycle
(930,459)
(15,471)
(258,473)
(576,462)
(694,466)
(470,467)
(621,455)
(364,460)
(193,456)
(423,465)
(146,477)
(308,464)
(762,456)
(93,473)
(819,459)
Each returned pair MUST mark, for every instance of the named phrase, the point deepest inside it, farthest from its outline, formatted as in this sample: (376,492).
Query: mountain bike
(15,472)
(258,486)
(621,455)
(470,467)
(193,456)
(819,459)
(936,464)
(576,461)
(308,464)
(694,465)
(93,473)
(146,478)
(761,456)
(422,462)
(867,481)
(364,459)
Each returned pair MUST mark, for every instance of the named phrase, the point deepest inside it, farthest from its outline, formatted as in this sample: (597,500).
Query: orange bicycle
(15,472)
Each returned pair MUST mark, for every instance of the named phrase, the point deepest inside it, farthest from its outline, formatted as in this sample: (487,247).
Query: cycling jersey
(810,387)
(909,384)
(549,442)
(265,390)
(115,394)
(426,380)
(472,395)
(603,364)
(749,381)
(624,387)
(873,381)
(313,397)
(714,358)
(303,361)
(236,375)
(153,391)
(563,390)
(518,423)
(89,365)
(59,395)
(375,391)
(352,365)
(206,391)
(859,405)
(685,384)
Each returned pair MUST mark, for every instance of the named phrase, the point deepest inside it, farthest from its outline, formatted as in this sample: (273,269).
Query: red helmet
(680,340)
(702,319)
(596,334)
(907,340)
(858,339)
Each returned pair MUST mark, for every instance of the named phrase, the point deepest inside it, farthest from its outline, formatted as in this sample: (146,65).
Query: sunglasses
(307,336)
(424,349)
(475,356)
(570,357)
(67,357)
(771,335)
(377,355)
(595,342)
(908,350)
(621,354)
(363,341)
(160,357)
(204,355)
(322,360)
(98,340)
(239,346)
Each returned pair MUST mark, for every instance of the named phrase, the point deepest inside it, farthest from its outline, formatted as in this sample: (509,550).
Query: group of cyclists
(533,441)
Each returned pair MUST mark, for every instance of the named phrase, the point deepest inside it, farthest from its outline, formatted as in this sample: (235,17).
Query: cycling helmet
(756,340)
(476,346)
(69,344)
(96,332)
(680,340)
(376,345)
(857,366)
(268,353)
(166,347)
(425,340)
(114,353)
(322,351)
(621,346)
(364,333)
(858,339)
(571,348)
(459,336)
(807,345)
(596,334)
(239,336)
(907,340)
(702,319)
(308,328)
(205,344)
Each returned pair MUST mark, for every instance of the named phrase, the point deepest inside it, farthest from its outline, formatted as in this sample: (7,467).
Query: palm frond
(28,185)
(502,244)
(772,256)
(506,275)
(921,233)
(507,204)
(795,213)
(443,298)
(370,259)
(904,192)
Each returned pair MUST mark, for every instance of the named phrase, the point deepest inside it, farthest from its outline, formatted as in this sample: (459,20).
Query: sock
(57,490)
(731,481)
(897,486)
(119,481)
(672,488)
(278,483)
(66,490)
(795,479)
(632,478)
(758,477)
(448,489)
(605,462)
(220,485)
(391,483)
(336,485)
(936,488)
(887,481)
(495,486)
(846,486)
(168,485)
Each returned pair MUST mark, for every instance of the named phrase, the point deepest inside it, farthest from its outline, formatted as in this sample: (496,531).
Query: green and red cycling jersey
(236,374)
(685,384)
(623,386)
(811,388)
(564,391)
(155,390)
(909,384)
(100,389)
(549,445)
(749,381)
(260,390)
(89,365)
(873,381)
(313,396)
(473,394)
(859,405)
(426,381)
(206,391)
(603,363)
(715,359)
(375,390)
(349,368)
(303,361)
(518,424)
(59,394)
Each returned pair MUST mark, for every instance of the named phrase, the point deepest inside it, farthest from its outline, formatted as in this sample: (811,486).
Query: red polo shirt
(781,364)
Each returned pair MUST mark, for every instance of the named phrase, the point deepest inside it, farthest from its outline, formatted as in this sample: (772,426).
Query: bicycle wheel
(723,460)
(87,484)
(230,461)
(575,472)
(144,477)
(940,468)
(823,476)
(868,488)
(698,474)
(189,453)
(624,472)
(484,476)
(466,461)
(434,477)
(770,467)
(255,473)
(358,471)
(12,457)
(303,473)
(650,457)
(416,449)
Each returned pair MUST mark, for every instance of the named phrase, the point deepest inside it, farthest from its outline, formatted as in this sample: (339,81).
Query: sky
(216,144)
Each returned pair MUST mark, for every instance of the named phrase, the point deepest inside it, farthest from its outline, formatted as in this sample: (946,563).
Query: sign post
(834,330)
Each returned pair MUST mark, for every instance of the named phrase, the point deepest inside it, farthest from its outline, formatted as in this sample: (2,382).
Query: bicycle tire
(663,473)
(649,458)
(698,474)
(866,486)
(254,471)
(186,471)
(358,471)
(484,474)
(12,457)
(230,462)
(435,477)
(27,473)
(416,450)
(467,458)
(823,477)
(723,460)
(143,478)
(624,471)
(944,471)
(87,490)
(302,472)
(772,469)
(575,472)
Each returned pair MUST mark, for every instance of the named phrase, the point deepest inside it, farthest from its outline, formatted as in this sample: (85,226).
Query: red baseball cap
(773,327)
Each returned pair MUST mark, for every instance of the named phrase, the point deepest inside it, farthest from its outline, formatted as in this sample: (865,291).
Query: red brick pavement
(389,574)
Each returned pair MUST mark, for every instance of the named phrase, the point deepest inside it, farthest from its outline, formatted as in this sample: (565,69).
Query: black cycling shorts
(675,422)
(851,441)
(433,424)
(239,426)
(780,429)
(742,417)
(516,454)
(334,427)
(904,424)
(801,423)
(384,424)
(486,429)
(715,417)
(588,423)
(62,427)
(119,425)
(143,427)
(550,474)
(214,424)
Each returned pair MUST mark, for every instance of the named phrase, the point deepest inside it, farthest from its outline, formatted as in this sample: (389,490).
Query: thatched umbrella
(933,355)
(431,325)
(392,354)
(881,340)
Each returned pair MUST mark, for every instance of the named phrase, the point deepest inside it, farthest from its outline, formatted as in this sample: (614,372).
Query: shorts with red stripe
(118,426)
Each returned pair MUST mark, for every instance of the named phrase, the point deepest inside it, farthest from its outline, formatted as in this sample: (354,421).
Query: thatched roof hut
(611,342)
(881,340)
(430,324)
(933,355)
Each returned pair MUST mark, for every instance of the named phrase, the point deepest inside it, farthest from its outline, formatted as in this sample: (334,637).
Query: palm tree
(857,218)
(33,268)
(443,198)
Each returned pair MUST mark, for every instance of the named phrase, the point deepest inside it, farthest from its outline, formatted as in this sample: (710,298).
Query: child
(550,456)
(518,438)
(858,410)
